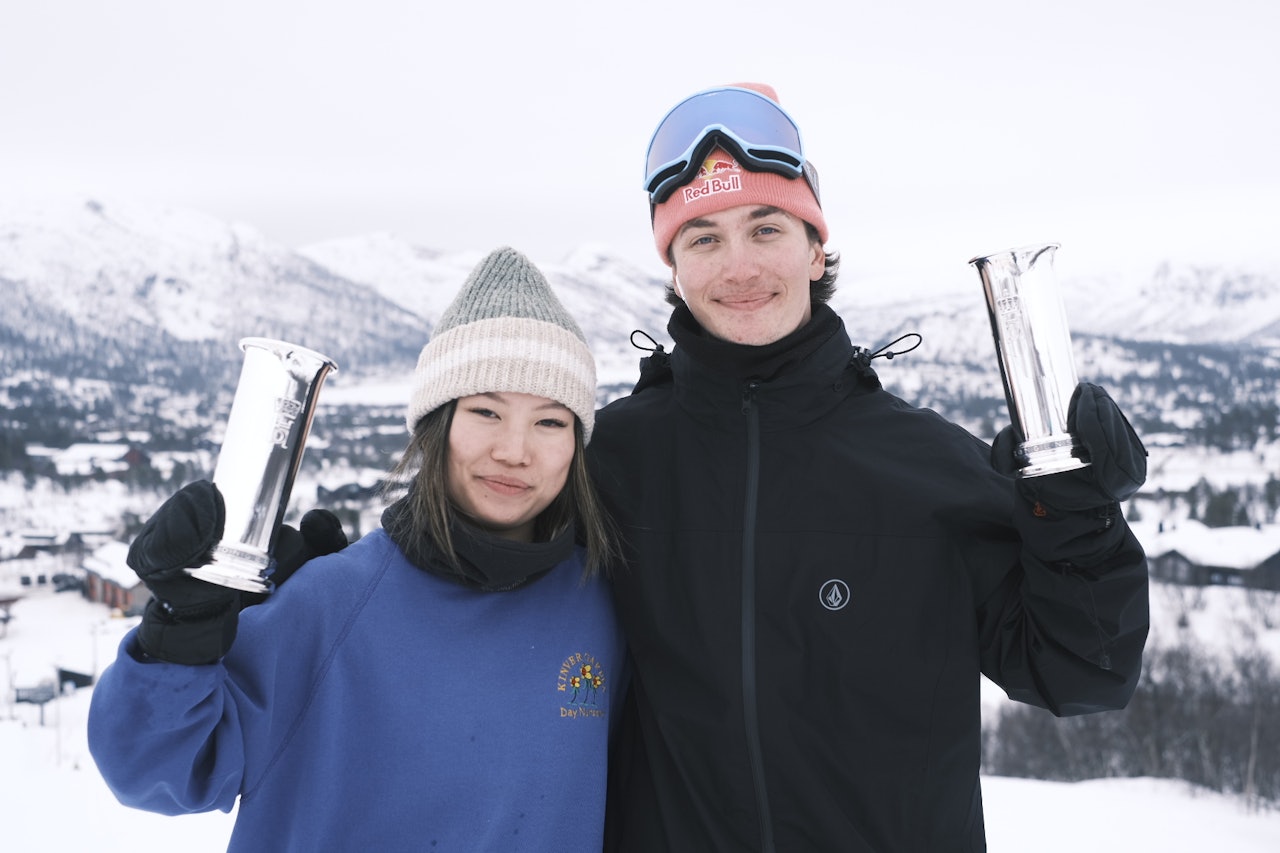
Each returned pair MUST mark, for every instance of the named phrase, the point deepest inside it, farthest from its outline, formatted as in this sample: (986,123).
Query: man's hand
(1118,457)
(1118,460)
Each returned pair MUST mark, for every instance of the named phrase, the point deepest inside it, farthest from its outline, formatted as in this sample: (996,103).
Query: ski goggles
(752,127)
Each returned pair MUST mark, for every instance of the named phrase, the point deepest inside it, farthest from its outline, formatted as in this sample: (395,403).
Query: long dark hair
(423,472)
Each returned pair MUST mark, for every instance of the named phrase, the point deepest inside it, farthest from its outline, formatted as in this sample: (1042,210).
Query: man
(817,571)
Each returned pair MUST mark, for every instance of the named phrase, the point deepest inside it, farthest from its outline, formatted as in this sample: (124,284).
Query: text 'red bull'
(712,186)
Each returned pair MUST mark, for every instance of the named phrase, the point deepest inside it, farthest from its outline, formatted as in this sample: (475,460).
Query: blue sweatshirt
(370,705)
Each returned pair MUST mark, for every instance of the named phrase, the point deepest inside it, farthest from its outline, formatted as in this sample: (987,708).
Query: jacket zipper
(750,708)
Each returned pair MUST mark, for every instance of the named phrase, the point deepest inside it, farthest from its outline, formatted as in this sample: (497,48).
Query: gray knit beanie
(506,331)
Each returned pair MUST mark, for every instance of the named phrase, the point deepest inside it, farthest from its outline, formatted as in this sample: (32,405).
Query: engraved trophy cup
(1033,345)
(261,451)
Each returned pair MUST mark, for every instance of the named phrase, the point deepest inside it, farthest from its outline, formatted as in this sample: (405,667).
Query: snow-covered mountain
(122,286)
(608,296)
(1197,304)
(1184,306)
(77,275)
(81,278)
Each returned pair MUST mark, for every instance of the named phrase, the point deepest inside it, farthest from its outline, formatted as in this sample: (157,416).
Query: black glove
(1069,518)
(188,620)
(1118,456)
(319,533)
(1118,460)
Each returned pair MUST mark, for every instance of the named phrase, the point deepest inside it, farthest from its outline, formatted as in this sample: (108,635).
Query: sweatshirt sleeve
(166,737)
(178,739)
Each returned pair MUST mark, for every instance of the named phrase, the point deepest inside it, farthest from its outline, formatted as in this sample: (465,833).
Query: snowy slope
(54,798)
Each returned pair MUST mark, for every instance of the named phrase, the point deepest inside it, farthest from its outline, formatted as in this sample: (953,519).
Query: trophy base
(1049,456)
(237,568)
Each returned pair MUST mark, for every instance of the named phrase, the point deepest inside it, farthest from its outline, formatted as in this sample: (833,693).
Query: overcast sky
(1129,131)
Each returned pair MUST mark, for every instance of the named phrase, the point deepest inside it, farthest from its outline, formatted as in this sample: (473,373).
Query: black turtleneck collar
(744,361)
(485,562)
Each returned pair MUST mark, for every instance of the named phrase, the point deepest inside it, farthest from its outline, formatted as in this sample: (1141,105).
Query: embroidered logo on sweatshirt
(581,683)
(834,594)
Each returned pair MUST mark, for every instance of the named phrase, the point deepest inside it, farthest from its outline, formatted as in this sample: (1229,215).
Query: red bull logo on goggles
(752,127)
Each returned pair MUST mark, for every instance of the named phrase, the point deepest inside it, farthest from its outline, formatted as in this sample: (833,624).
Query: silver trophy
(1033,345)
(265,436)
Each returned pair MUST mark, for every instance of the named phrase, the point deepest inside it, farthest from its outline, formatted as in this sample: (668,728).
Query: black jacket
(817,574)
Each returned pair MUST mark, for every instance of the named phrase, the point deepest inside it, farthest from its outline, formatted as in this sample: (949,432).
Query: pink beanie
(722,183)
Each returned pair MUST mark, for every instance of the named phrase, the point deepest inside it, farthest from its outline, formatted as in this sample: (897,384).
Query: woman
(449,681)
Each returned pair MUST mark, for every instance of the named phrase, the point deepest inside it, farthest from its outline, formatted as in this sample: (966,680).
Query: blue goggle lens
(753,127)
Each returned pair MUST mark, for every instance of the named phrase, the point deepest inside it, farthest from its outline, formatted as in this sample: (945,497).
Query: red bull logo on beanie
(717,175)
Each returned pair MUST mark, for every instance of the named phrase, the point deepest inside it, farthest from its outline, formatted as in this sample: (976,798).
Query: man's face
(745,272)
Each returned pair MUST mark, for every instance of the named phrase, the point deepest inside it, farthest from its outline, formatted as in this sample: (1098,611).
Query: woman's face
(509,456)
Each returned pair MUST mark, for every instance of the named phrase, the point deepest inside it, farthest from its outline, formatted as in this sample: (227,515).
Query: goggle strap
(715,139)
(810,174)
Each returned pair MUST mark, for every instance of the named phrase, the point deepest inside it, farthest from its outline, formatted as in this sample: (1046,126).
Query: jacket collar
(752,362)
(791,381)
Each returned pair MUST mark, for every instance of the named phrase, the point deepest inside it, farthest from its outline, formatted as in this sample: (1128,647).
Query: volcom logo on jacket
(581,681)
(834,594)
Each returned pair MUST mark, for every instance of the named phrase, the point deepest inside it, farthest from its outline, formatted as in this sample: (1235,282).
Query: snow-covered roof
(1226,547)
(11,545)
(108,562)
